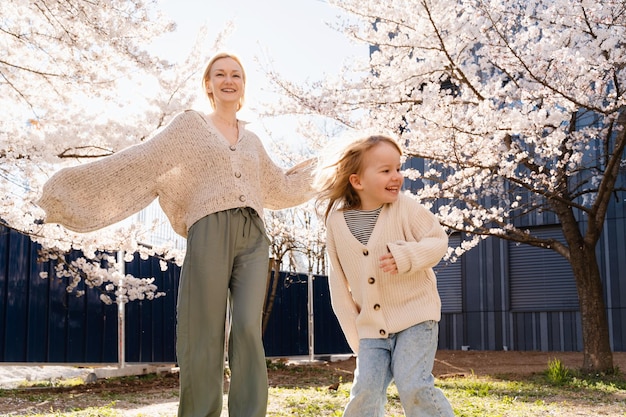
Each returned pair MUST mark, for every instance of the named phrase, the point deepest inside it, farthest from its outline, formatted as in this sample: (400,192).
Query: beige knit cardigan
(370,303)
(188,165)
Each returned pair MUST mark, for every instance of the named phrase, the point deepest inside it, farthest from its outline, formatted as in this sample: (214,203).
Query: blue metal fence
(41,322)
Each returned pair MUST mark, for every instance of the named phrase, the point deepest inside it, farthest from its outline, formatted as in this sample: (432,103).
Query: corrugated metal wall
(287,330)
(499,295)
(151,324)
(41,322)
(524,298)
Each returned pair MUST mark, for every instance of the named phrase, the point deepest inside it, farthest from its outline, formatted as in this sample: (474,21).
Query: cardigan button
(242,198)
(371,280)
(382,332)
(376,307)
(366,252)
(237,174)
(232,147)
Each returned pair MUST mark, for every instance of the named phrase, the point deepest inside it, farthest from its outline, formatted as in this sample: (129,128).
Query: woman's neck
(227,124)
(228,119)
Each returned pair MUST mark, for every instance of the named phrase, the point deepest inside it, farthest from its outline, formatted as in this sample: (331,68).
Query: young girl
(382,246)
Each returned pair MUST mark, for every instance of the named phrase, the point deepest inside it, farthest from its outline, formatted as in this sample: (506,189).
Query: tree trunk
(597,355)
(270,292)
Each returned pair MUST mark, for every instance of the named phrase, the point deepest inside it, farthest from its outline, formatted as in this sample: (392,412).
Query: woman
(213,178)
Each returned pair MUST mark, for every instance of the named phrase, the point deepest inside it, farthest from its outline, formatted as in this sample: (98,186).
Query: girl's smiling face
(379,180)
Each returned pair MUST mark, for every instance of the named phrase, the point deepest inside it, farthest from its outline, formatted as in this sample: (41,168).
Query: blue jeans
(406,357)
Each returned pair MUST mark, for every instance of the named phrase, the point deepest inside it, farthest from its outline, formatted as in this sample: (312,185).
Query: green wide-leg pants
(227,256)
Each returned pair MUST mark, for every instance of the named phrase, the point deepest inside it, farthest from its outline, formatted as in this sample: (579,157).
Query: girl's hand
(388,264)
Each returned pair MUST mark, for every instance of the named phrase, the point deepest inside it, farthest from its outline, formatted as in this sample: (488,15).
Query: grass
(105,411)
(557,373)
(558,391)
(306,392)
(475,397)
(70,382)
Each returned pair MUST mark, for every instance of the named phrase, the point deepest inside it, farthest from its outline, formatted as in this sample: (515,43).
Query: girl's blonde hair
(333,181)
(207,76)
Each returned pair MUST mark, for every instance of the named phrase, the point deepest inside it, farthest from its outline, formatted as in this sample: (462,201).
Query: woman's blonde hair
(207,76)
(333,181)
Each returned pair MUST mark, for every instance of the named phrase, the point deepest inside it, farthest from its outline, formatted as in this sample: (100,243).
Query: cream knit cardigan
(188,165)
(370,303)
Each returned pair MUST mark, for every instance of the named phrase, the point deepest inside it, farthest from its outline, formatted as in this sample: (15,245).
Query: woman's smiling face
(226,81)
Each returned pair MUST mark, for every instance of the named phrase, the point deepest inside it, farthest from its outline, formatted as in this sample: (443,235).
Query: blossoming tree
(517,106)
(76,83)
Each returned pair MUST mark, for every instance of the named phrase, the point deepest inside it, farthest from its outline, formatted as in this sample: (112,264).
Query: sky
(293,34)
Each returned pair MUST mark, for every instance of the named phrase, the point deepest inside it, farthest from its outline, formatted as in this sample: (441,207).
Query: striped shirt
(361,223)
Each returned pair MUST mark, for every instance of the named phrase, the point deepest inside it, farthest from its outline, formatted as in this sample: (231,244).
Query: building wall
(524,298)
(504,295)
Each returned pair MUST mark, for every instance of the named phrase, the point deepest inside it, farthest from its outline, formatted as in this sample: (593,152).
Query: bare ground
(152,395)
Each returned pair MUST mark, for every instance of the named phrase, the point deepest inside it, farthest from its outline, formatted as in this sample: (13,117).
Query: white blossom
(507,103)
(79,83)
